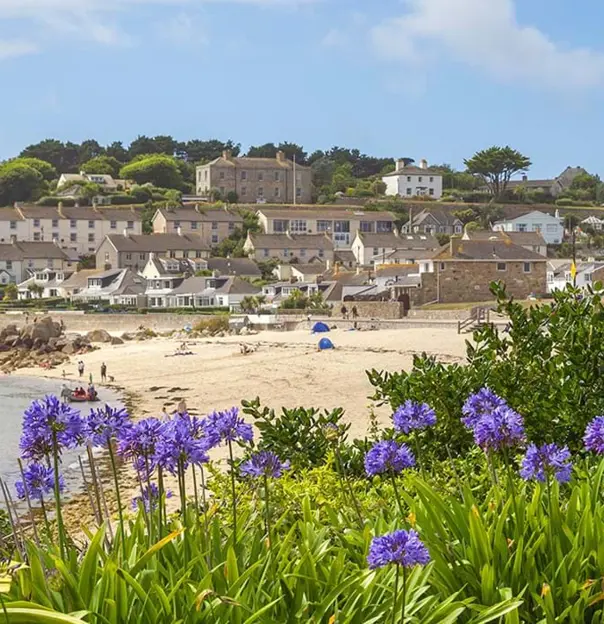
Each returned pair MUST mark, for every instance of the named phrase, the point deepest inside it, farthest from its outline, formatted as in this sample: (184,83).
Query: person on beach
(181,409)
(81,368)
(103,372)
(344,312)
(355,313)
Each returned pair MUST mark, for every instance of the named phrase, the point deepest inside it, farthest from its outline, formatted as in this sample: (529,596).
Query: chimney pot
(280,156)
(179,230)
(524,178)
(13,239)
(423,163)
(226,154)
(125,233)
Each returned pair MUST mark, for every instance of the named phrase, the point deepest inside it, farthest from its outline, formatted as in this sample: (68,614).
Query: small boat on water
(83,398)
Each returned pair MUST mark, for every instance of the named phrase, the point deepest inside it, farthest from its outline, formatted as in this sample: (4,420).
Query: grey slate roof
(189,213)
(157,243)
(487,250)
(294,241)
(23,250)
(234,266)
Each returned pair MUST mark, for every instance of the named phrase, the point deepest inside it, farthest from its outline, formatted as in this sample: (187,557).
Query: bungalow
(464,271)
(277,292)
(405,275)
(559,274)
(115,286)
(289,247)
(43,284)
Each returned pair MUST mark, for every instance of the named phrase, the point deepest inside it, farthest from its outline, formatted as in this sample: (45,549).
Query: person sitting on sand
(181,408)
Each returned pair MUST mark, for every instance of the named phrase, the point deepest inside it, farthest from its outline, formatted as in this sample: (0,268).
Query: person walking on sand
(103,372)
(355,313)
(81,368)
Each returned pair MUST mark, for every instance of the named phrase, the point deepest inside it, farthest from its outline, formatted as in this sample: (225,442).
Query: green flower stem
(551,533)
(233,493)
(205,513)
(396,493)
(196,495)
(404,595)
(419,455)
(150,514)
(348,486)
(395,600)
(60,525)
(267,514)
(118,498)
(512,489)
(29,507)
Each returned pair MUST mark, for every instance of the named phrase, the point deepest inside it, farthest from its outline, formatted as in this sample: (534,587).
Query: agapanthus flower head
(480,404)
(400,547)
(264,464)
(413,415)
(388,456)
(594,435)
(547,459)
(500,428)
(149,498)
(229,426)
(181,444)
(46,421)
(105,424)
(201,428)
(139,442)
(39,481)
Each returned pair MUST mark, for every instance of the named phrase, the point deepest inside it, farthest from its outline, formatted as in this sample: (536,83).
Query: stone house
(411,181)
(212,225)
(554,187)
(288,247)
(120,251)
(342,225)
(434,221)
(464,270)
(275,180)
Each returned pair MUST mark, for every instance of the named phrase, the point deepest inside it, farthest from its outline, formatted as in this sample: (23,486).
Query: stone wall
(375,309)
(463,282)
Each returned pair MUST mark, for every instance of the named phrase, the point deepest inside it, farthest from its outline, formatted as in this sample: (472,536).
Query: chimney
(400,164)
(524,177)
(328,264)
(125,233)
(423,163)
(60,210)
(179,230)
(280,156)
(197,208)
(226,154)
(13,239)
(452,242)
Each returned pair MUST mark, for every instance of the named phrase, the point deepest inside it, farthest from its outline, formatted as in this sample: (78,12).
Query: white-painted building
(411,181)
(559,274)
(551,227)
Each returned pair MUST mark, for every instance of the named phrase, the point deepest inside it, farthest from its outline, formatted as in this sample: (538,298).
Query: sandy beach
(285,370)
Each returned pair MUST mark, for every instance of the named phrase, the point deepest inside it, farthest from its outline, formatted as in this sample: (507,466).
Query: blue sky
(438,79)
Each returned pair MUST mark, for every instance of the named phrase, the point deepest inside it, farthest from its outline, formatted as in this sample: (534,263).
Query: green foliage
(232,197)
(298,300)
(496,165)
(102,165)
(46,170)
(547,366)
(19,182)
(158,170)
(10,292)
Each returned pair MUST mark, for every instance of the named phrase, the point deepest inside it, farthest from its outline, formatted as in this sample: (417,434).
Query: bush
(213,325)
(54,201)
(121,200)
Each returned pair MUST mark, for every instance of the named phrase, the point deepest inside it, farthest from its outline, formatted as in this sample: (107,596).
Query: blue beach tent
(325,343)
(320,328)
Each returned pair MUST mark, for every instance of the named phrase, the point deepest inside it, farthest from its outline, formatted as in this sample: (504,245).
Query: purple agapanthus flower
(105,424)
(401,548)
(39,481)
(480,404)
(412,415)
(548,459)
(230,427)
(149,498)
(388,456)
(264,464)
(45,422)
(501,428)
(139,442)
(181,444)
(594,435)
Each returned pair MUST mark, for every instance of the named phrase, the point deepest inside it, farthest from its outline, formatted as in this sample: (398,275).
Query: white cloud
(486,35)
(11,49)
(334,39)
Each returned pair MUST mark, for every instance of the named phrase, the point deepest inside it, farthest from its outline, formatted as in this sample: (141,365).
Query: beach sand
(286,370)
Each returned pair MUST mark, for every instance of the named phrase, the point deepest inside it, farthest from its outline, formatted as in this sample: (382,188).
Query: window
(341,226)
(366,226)
(277,191)
(442,266)
(222,175)
(431,179)
(13,225)
(193,225)
(408,178)
(321,253)
(128,256)
(214,225)
(73,237)
(91,225)
(384,226)
(502,266)
(376,251)
(36,222)
(91,238)
(527,267)
(130,225)
(176,224)
(537,227)
(298,192)
(587,275)
(106,257)
(222,190)
(244,175)
(172,254)
(113,225)
(521,227)
(9,264)
(185,254)
(206,174)
(277,176)
(302,253)
(409,191)
(286,252)
(231,226)
(37,236)
(265,253)
(55,223)
(243,191)
(260,192)
(551,228)
(431,191)
(297,226)
(420,179)
(214,239)
(198,254)
(458,229)
(323,226)
(260,176)
(73,223)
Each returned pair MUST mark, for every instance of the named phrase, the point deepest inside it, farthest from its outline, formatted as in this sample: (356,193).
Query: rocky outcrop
(99,335)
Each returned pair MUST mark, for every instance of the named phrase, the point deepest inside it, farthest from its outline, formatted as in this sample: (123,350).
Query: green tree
(88,150)
(19,182)
(36,291)
(378,187)
(105,165)
(46,170)
(10,292)
(197,151)
(118,151)
(158,170)
(157,145)
(496,166)
(63,156)
(232,197)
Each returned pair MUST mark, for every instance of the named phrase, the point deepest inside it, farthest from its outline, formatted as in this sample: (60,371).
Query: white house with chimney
(414,181)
